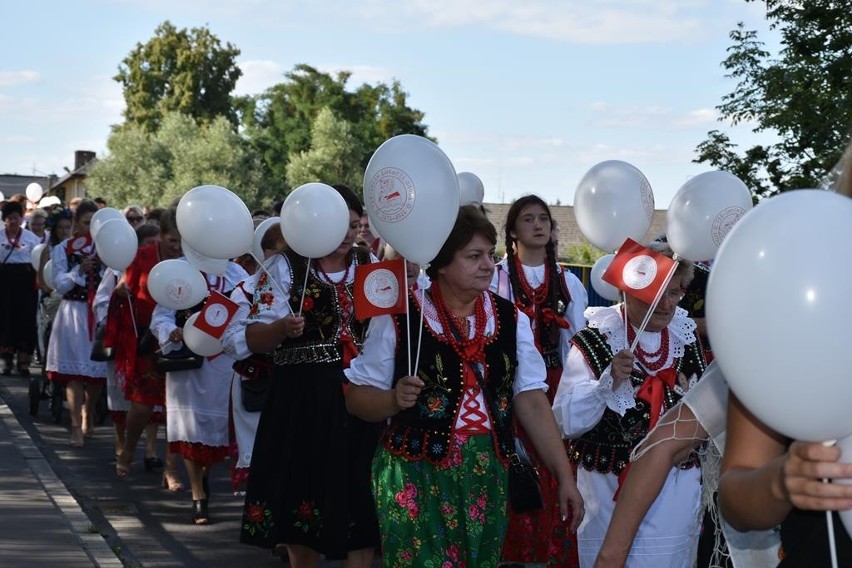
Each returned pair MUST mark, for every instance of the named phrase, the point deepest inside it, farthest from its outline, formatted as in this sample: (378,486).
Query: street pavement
(65,507)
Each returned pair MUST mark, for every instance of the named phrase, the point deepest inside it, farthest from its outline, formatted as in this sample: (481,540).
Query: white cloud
(258,76)
(606,115)
(12,78)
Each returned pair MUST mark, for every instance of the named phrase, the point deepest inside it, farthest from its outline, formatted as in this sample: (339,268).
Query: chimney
(82,157)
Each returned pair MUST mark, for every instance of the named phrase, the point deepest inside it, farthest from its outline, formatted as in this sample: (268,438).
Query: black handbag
(524,489)
(182,359)
(255,378)
(99,352)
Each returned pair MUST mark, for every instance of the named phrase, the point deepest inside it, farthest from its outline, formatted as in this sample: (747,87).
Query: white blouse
(22,252)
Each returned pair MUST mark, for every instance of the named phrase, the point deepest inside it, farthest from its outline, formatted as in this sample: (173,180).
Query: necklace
(536,296)
(467,348)
(342,293)
(651,361)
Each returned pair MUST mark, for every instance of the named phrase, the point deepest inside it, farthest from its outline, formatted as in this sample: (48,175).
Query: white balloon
(260,232)
(612,202)
(778,313)
(217,266)
(47,274)
(215,222)
(176,284)
(471,189)
(34,192)
(604,289)
(200,342)
(116,244)
(2,197)
(314,220)
(412,195)
(100,218)
(703,211)
(35,255)
(49,201)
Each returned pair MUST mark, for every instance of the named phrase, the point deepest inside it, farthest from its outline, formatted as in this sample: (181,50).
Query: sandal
(121,470)
(76,438)
(200,516)
(172,482)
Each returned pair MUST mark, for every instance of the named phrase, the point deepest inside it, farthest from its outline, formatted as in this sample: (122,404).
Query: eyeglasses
(675,294)
(134,219)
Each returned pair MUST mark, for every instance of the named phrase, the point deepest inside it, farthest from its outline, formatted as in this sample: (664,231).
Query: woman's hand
(176,335)
(122,290)
(89,263)
(802,474)
(294,326)
(621,367)
(406,391)
(568,492)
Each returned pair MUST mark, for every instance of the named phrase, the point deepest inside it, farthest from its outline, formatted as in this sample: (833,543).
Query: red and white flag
(216,314)
(640,271)
(380,289)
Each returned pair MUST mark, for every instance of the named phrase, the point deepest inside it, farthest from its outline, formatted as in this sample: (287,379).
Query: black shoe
(200,515)
(153,463)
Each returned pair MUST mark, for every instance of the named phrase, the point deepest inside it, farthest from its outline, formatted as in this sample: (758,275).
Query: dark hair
(553,286)
(469,223)
(260,213)
(12,207)
(168,221)
(85,206)
(154,215)
(276,208)
(352,201)
(100,200)
(145,231)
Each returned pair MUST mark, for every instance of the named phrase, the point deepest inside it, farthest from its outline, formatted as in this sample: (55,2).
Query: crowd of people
(398,436)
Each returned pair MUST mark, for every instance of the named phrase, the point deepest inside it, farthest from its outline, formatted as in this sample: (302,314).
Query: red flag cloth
(380,288)
(216,314)
(639,271)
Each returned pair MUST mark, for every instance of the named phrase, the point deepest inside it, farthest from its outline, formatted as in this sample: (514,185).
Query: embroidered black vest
(424,430)
(606,447)
(322,312)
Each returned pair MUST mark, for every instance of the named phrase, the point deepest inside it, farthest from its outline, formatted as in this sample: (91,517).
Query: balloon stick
(420,327)
(304,287)
(653,305)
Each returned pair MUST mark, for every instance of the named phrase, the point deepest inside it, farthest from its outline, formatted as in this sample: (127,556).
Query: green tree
(279,122)
(801,94)
(153,168)
(583,254)
(178,70)
(334,156)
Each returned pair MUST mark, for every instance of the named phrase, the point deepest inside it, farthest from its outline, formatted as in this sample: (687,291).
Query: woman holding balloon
(608,399)
(554,300)
(77,271)
(309,488)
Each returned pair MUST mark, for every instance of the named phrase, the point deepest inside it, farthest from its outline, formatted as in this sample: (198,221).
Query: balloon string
(829,522)
(269,276)
(304,287)
(408,323)
(132,314)
(420,327)
(653,305)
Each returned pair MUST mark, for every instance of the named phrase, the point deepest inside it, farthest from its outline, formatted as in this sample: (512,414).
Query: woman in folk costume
(197,399)
(554,300)
(136,374)
(609,398)
(439,477)
(18,295)
(309,486)
(77,271)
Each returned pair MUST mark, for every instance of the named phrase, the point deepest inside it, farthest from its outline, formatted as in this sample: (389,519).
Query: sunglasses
(133,219)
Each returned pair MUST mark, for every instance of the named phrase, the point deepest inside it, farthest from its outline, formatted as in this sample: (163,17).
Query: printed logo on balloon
(392,194)
(724,221)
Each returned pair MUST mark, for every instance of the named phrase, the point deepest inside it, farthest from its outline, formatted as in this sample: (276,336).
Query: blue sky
(527,95)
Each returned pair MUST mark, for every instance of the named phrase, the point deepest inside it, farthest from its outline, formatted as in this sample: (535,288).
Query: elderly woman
(439,476)
(38,224)
(18,297)
(77,271)
(609,398)
(309,488)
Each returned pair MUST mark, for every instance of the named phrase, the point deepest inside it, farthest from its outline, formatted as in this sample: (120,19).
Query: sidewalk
(40,522)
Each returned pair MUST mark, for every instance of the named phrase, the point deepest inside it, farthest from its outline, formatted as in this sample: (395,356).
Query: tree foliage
(801,94)
(178,70)
(334,155)
(154,168)
(583,254)
(279,122)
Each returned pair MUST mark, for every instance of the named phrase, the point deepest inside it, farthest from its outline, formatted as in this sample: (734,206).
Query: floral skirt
(433,516)
(309,482)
